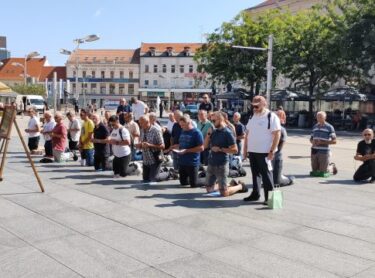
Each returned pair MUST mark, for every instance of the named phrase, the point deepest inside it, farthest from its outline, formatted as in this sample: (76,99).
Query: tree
(29,89)
(226,64)
(309,49)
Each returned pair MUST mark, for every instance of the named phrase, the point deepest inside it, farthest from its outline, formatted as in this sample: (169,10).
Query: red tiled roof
(266,3)
(47,72)
(128,56)
(11,72)
(177,47)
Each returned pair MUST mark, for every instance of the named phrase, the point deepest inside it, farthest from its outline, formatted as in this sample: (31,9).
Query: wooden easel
(9,117)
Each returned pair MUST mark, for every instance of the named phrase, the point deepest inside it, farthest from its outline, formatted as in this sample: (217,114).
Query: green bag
(275,200)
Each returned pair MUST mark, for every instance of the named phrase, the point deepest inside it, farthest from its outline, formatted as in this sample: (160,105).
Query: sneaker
(372,180)
(265,203)
(334,168)
(291,180)
(244,187)
(251,198)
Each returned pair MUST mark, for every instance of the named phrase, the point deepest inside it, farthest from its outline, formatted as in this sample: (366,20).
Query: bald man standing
(366,154)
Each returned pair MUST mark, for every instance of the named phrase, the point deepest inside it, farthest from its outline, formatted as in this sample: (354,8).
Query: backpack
(268,117)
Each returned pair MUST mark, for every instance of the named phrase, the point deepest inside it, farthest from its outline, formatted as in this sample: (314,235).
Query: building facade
(291,5)
(168,71)
(98,76)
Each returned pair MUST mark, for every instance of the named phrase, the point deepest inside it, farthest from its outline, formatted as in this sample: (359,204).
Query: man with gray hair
(190,147)
(46,131)
(366,154)
(175,137)
(153,120)
(323,134)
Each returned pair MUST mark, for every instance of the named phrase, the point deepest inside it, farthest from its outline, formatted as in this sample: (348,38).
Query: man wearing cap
(261,140)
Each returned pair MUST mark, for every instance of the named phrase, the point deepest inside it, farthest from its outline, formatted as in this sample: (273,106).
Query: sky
(47,26)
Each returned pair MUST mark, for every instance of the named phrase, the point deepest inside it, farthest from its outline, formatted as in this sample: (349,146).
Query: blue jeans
(88,155)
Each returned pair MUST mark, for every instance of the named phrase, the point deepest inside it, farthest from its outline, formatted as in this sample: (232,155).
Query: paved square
(88,225)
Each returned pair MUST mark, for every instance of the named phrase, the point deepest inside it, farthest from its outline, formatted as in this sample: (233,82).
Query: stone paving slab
(88,225)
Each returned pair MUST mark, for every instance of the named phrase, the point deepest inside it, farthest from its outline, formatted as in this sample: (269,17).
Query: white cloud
(97,13)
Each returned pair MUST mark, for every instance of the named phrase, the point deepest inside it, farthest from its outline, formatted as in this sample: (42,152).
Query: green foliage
(29,89)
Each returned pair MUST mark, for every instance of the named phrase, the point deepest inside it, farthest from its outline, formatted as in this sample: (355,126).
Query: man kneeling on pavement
(222,144)
(366,154)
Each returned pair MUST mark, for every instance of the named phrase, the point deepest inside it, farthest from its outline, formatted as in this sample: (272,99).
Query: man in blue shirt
(322,135)
(222,144)
(122,110)
(190,146)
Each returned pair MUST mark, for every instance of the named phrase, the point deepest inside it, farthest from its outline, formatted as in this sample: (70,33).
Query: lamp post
(269,67)
(24,66)
(78,42)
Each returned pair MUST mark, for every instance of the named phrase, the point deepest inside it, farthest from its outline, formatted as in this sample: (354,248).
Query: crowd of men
(201,152)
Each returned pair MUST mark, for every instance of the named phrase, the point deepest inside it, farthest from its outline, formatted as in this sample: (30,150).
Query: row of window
(172,69)
(155,83)
(102,75)
(102,88)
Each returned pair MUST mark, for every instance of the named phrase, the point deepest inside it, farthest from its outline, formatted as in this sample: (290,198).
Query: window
(131,88)
(191,68)
(112,89)
(121,89)
(112,74)
(74,73)
(146,83)
(121,74)
(93,74)
(147,68)
(182,69)
(93,88)
(102,88)
(74,88)
(190,83)
(164,68)
(155,82)
(131,75)
(84,74)
(155,68)
(102,74)
(173,69)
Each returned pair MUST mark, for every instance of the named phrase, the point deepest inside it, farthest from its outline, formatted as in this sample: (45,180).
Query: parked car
(192,110)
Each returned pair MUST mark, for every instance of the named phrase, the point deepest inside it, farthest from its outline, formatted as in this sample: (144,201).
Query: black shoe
(372,180)
(265,203)
(252,198)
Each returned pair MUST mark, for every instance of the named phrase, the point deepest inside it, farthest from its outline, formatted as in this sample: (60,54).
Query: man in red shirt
(59,139)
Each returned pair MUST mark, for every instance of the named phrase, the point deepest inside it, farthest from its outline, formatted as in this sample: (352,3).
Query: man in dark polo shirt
(190,146)
(366,154)
(122,110)
(175,137)
(222,144)
(240,131)
(206,104)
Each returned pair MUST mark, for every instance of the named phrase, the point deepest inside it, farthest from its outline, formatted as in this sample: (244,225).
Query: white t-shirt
(48,128)
(120,151)
(75,124)
(170,126)
(138,109)
(33,122)
(259,138)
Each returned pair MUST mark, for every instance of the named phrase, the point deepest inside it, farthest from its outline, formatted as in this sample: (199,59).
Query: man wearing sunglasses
(261,141)
(366,154)
(206,104)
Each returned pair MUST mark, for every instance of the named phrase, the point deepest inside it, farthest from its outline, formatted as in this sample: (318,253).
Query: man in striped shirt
(323,135)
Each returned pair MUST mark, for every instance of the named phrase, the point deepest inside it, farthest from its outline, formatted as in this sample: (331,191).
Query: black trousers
(33,143)
(48,148)
(100,160)
(204,157)
(260,172)
(120,165)
(152,173)
(278,178)
(188,175)
(365,171)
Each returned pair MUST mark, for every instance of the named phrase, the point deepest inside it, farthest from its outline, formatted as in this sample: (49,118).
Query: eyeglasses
(367,134)
(255,106)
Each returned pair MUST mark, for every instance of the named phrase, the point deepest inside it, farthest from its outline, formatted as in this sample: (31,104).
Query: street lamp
(89,38)
(269,49)
(24,66)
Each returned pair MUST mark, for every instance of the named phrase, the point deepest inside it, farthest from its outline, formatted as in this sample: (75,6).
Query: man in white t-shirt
(261,140)
(120,141)
(33,129)
(46,131)
(74,132)
(139,108)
